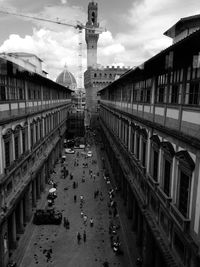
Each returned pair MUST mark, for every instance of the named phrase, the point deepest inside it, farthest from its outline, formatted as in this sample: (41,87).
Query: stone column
(158,258)
(28,206)
(148,248)
(38,190)
(135,215)
(139,229)
(129,136)
(42,179)
(21,217)
(13,231)
(129,203)
(34,193)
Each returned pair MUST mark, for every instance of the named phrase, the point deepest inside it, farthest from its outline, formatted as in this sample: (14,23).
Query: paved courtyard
(54,245)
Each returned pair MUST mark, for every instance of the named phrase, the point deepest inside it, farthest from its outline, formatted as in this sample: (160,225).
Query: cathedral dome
(67,79)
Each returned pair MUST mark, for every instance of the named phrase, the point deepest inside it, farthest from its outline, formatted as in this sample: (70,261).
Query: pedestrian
(94,177)
(84,236)
(74,185)
(81,214)
(115,212)
(74,198)
(91,222)
(85,219)
(64,222)
(139,261)
(78,237)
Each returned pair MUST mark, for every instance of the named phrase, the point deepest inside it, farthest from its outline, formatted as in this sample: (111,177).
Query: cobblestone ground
(53,245)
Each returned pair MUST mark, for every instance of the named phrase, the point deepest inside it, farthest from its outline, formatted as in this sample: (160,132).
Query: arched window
(155,146)
(167,160)
(16,133)
(7,147)
(144,137)
(185,168)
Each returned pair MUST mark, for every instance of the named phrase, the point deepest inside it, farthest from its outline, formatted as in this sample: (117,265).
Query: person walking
(74,198)
(84,236)
(91,222)
(78,237)
(85,219)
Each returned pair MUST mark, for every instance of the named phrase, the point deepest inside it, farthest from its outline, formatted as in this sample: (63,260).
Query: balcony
(184,223)
(163,197)
(153,184)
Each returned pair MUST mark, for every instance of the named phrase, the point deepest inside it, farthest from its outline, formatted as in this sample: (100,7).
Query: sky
(134,30)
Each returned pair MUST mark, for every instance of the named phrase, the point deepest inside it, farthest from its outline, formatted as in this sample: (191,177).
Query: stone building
(76,116)
(33,115)
(95,77)
(150,118)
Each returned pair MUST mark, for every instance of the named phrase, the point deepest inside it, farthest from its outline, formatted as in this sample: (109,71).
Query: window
(16,146)
(155,146)
(161,91)
(133,140)
(175,94)
(36,132)
(21,93)
(2,92)
(32,135)
(137,145)
(183,200)
(148,95)
(144,153)
(186,167)
(23,141)
(7,153)
(155,165)
(167,175)
(194,94)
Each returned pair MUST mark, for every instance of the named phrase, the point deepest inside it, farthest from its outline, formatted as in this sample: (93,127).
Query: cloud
(54,43)
(50,46)
(143,37)
(149,20)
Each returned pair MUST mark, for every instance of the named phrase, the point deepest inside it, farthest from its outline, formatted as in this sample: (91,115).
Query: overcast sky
(134,30)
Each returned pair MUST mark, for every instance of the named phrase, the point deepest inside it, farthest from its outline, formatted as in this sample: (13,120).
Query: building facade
(33,115)
(95,77)
(150,118)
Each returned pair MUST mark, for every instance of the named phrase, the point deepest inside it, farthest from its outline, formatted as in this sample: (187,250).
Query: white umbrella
(52,190)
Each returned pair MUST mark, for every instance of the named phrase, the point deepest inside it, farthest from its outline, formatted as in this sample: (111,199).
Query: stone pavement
(53,245)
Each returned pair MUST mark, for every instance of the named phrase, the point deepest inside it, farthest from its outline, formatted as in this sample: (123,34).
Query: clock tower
(91,36)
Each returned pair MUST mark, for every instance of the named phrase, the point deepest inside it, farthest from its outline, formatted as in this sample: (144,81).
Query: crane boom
(43,19)
(78,25)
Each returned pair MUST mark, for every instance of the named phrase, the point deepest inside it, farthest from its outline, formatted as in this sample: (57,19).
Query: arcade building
(33,122)
(150,119)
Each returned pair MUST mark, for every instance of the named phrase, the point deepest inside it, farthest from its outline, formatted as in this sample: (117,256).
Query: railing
(183,222)
(163,197)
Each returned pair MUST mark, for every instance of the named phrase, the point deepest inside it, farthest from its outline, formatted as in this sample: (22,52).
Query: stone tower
(91,36)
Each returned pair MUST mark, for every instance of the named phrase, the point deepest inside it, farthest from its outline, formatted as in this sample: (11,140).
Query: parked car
(69,151)
(49,216)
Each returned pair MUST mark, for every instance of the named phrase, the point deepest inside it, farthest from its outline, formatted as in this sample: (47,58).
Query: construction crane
(79,26)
